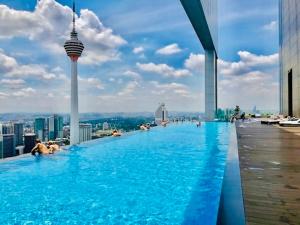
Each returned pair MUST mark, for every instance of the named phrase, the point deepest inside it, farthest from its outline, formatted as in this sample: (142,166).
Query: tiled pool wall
(231,209)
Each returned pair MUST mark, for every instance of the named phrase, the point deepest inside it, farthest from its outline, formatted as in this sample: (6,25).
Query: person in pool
(52,147)
(40,148)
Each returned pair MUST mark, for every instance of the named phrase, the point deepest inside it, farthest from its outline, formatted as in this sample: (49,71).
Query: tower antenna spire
(74,15)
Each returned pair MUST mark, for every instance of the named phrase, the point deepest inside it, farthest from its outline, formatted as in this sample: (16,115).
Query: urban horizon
(134,68)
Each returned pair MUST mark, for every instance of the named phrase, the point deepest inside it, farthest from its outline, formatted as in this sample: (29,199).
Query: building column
(74,120)
(210,84)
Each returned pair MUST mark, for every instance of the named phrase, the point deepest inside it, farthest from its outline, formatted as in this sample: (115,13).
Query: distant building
(39,128)
(8,145)
(55,127)
(7,128)
(85,132)
(29,142)
(19,133)
(105,126)
(161,114)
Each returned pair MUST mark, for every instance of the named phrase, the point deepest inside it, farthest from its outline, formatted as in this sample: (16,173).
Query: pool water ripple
(168,175)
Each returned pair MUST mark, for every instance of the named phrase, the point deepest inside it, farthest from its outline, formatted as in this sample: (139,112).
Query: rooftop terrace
(270,168)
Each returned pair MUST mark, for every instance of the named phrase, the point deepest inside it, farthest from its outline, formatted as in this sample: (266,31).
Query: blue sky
(138,54)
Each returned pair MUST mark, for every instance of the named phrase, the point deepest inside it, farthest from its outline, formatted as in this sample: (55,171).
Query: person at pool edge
(40,148)
(43,149)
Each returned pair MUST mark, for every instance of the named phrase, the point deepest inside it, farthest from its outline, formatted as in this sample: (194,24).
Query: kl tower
(74,48)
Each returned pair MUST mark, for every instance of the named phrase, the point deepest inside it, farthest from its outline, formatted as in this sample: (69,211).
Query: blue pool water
(169,175)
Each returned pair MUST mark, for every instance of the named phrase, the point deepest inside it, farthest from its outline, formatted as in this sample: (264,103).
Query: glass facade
(289,38)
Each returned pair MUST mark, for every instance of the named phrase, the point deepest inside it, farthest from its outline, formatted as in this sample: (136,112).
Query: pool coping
(231,208)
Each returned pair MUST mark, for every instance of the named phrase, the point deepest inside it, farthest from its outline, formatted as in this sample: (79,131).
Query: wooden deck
(270,173)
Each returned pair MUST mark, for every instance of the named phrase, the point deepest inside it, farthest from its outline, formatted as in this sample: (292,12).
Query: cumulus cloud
(12,83)
(90,82)
(50,25)
(168,88)
(272,26)
(253,80)
(10,68)
(3,95)
(248,62)
(169,50)
(24,92)
(132,74)
(195,62)
(138,50)
(164,70)
(129,89)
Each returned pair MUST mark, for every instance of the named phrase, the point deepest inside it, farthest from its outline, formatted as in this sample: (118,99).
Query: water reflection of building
(161,114)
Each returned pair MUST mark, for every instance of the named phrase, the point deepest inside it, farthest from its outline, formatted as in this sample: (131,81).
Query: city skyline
(133,64)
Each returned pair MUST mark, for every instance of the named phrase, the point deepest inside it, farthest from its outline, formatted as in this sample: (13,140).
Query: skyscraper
(9,147)
(55,127)
(289,39)
(39,128)
(161,114)
(29,142)
(19,133)
(85,132)
(7,128)
(203,15)
(74,48)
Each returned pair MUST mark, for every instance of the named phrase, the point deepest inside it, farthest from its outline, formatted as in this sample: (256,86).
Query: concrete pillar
(74,120)
(210,84)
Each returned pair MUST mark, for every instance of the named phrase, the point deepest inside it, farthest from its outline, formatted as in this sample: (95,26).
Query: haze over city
(137,55)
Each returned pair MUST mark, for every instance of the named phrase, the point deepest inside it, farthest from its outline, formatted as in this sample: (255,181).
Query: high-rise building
(51,128)
(55,127)
(289,39)
(19,133)
(161,114)
(7,128)
(29,142)
(203,16)
(9,147)
(85,132)
(40,128)
(74,48)
(105,126)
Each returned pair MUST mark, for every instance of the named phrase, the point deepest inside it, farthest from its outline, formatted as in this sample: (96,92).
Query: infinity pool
(169,175)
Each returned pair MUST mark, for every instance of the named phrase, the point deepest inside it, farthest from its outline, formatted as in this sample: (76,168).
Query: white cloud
(195,62)
(129,89)
(253,80)
(50,24)
(10,68)
(12,83)
(163,69)
(50,95)
(90,82)
(25,92)
(132,74)
(167,88)
(272,26)
(169,50)
(3,95)
(248,62)
(138,50)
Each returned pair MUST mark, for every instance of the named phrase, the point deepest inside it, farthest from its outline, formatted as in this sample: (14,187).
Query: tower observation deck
(74,48)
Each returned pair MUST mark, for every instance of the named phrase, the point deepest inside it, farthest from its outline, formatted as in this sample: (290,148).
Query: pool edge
(231,208)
